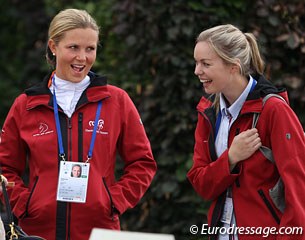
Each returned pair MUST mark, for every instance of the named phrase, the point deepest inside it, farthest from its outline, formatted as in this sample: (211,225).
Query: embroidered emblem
(43,129)
(100,126)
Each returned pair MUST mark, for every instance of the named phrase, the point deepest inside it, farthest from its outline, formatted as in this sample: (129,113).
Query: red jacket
(29,133)
(252,179)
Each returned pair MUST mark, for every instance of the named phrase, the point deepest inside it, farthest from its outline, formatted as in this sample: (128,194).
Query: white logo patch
(100,126)
(43,129)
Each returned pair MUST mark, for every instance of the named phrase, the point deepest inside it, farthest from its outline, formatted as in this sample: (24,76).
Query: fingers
(256,142)
(244,145)
(250,132)
(251,138)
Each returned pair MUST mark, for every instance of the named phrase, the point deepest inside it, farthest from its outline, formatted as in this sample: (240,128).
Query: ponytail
(257,63)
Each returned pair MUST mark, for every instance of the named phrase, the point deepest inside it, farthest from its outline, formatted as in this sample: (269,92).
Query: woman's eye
(205,64)
(90,48)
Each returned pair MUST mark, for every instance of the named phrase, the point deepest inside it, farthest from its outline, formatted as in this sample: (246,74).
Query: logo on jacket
(100,126)
(43,129)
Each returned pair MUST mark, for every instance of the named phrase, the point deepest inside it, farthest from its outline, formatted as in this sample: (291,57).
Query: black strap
(14,231)
(10,218)
(7,202)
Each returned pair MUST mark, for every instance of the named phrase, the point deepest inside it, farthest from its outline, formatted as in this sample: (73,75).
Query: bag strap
(267,152)
(9,213)
(6,200)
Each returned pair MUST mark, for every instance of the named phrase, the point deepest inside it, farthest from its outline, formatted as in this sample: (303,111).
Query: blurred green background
(147,49)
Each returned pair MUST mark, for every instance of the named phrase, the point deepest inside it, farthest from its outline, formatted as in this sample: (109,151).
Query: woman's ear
(52,46)
(236,68)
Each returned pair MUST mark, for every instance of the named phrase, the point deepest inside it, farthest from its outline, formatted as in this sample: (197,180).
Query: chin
(207,91)
(77,79)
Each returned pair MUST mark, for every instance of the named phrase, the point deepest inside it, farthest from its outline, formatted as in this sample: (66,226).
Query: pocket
(269,206)
(26,214)
(113,210)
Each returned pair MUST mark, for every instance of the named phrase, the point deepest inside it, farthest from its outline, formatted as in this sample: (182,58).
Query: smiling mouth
(78,68)
(205,81)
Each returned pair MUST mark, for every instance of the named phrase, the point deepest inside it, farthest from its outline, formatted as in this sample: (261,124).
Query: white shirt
(228,116)
(68,93)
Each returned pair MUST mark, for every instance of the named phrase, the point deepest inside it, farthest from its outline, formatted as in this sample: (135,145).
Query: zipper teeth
(211,139)
(110,197)
(210,124)
(69,221)
(80,137)
(269,206)
(69,139)
(28,202)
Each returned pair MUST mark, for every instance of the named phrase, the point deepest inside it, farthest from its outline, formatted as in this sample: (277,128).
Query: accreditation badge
(73,182)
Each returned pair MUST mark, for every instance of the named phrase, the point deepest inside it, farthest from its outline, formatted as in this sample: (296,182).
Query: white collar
(235,108)
(66,85)
(68,93)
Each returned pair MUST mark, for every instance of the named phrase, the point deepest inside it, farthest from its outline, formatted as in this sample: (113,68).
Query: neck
(237,86)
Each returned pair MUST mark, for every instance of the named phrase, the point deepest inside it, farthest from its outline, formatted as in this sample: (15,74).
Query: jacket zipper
(80,137)
(69,139)
(62,211)
(28,202)
(112,208)
(69,156)
(69,220)
(211,141)
(217,212)
(269,206)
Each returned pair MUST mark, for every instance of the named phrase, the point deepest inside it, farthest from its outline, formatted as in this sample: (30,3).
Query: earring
(53,54)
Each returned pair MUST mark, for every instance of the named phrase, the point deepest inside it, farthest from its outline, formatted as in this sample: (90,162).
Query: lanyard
(219,116)
(59,136)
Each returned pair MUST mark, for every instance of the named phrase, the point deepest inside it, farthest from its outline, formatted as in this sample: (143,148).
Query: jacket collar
(41,95)
(253,102)
(263,87)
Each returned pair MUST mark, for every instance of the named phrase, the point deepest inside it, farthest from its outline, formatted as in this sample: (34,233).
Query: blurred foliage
(147,49)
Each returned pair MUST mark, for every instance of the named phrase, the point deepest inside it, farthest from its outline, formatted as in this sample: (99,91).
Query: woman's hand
(243,146)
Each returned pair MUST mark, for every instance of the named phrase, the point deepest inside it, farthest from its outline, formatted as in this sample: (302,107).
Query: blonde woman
(74,116)
(229,169)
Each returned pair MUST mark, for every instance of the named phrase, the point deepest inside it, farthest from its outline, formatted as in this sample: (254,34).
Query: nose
(198,70)
(81,55)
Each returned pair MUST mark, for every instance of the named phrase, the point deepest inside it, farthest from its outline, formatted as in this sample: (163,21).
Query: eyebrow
(204,59)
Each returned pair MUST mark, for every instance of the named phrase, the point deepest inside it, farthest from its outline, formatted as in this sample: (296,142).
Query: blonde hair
(234,47)
(64,21)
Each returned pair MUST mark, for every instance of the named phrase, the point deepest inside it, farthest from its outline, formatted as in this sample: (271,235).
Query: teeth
(205,81)
(78,68)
